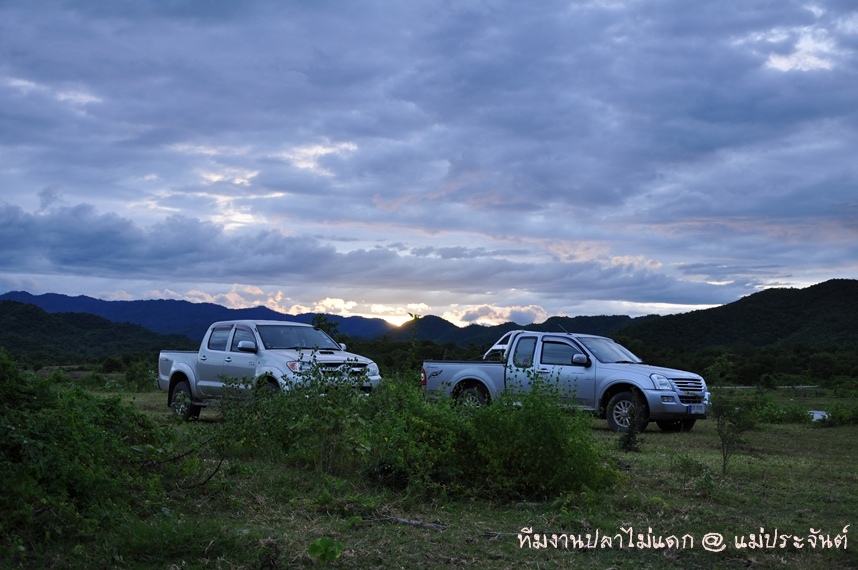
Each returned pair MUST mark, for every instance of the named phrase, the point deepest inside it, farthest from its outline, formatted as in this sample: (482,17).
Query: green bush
(769,412)
(139,377)
(841,413)
(529,446)
(524,447)
(414,442)
(314,425)
(71,464)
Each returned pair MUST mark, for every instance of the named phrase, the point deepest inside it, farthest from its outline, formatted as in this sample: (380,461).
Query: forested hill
(170,316)
(29,333)
(440,331)
(823,315)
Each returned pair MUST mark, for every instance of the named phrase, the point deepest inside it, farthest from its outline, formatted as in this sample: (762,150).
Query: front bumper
(666,405)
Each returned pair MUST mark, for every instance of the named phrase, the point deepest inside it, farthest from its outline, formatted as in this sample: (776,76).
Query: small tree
(734,416)
(323,322)
(629,439)
(721,369)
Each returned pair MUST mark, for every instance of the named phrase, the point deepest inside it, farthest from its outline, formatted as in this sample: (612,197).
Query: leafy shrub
(315,424)
(524,447)
(415,442)
(769,412)
(71,463)
(529,446)
(139,377)
(841,413)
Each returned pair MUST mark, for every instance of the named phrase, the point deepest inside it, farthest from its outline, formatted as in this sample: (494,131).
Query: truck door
(520,369)
(210,362)
(576,380)
(239,364)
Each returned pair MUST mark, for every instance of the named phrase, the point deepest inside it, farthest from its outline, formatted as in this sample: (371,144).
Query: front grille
(691,390)
(688,399)
(343,368)
(688,384)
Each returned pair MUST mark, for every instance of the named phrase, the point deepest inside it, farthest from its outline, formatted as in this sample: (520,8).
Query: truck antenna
(563,329)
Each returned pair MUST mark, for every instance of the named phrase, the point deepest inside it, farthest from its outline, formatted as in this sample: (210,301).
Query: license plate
(696,409)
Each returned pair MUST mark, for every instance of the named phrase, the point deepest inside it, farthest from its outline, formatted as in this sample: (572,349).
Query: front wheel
(624,408)
(182,403)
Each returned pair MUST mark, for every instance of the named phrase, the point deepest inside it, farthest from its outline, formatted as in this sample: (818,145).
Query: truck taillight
(422,377)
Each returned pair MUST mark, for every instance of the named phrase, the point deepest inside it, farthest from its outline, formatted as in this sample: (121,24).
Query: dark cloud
(510,157)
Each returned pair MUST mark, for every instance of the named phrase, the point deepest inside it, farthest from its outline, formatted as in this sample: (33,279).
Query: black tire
(620,409)
(473,396)
(673,426)
(181,402)
(267,386)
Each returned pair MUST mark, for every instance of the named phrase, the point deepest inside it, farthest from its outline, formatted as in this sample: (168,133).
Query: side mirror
(580,359)
(342,345)
(247,346)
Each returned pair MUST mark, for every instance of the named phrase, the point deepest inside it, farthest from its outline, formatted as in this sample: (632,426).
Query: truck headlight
(298,366)
(660,382)
(372,369)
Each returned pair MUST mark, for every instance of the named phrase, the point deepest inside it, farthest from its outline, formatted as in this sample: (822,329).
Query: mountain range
(825,314)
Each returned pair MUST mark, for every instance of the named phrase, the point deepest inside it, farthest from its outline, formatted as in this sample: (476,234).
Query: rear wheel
(623,408)
(473,396)
(672,426)
(181,402)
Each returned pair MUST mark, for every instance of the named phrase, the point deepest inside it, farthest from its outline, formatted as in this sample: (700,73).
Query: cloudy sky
(478,160)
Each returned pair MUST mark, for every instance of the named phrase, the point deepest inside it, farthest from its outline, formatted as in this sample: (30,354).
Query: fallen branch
(494,534)
(411,522)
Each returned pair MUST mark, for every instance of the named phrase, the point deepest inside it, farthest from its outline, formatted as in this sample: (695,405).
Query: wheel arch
(616,388)
(273,376)
(176,378)
(466,383)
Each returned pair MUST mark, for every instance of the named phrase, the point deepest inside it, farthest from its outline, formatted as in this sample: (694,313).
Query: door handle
(203,357)
(228,359)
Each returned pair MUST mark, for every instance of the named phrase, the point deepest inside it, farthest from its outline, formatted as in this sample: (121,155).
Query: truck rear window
(218,338)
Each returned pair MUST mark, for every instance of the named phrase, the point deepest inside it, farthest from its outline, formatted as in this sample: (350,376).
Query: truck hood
(325,356)
(647,369)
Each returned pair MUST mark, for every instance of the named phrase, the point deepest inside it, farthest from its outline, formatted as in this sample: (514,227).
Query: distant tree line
(36,339)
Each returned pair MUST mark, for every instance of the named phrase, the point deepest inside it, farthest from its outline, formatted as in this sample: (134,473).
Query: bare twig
(180,456)
(411,522)
(207,479)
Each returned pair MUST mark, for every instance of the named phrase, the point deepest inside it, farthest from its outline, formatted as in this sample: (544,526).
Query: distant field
(796,480)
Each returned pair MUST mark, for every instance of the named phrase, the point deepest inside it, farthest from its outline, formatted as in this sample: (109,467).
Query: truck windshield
(606,350)
(288,336)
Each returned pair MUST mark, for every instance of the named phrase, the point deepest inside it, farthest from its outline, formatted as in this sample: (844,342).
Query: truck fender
(182,372)
(281,378)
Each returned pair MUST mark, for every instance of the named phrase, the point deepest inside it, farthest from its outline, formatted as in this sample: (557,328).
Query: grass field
(797,480)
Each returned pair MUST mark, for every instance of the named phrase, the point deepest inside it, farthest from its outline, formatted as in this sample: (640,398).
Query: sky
(482,161)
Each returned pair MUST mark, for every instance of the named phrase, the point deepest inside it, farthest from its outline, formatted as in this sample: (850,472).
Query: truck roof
(254,322)
(503,341)
(555,333)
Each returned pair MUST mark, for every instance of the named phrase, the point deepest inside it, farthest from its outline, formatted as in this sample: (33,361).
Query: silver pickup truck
(275,353)
(593,372)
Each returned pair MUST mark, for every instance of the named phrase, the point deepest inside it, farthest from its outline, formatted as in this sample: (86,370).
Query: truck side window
(558,353)
(218,338)
(241,334)
(523,356)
